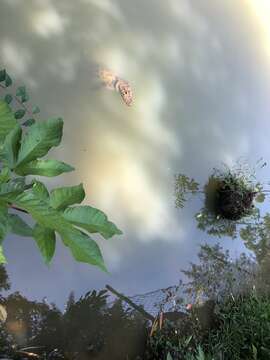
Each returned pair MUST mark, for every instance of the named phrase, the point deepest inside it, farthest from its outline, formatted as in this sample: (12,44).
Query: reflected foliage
(4,281)
(89,328)
(230,195)
(184,186)
(243,329)
(222,300)
(204,277)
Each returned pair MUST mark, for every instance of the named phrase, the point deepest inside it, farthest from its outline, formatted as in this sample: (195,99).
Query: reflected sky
(201,77)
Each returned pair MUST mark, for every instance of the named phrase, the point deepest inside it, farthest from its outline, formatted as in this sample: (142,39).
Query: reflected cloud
(15,56)
(46,21)
(261,11)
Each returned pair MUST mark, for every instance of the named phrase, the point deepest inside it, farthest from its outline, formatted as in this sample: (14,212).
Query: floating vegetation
(230,195)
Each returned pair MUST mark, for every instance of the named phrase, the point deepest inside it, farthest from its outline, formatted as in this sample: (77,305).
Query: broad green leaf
(12,188)
(29,122)
(18,226)
(8,98)
(2,256)
(2,75)
(47,168)
(65,196)
(35,110)
(38,208)
(40,190)
(92,220)
(40,138)
(4,175)
(260,198)
(8,81)
(11,146)
(83,248)
(7,120)
(169,357)
(19,114)
(4,227)
(45,239)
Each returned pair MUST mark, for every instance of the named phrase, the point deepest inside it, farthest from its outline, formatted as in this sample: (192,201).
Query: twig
(18,209)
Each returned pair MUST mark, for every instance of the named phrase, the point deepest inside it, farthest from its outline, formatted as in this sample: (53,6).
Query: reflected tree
(217,274)
(4,280)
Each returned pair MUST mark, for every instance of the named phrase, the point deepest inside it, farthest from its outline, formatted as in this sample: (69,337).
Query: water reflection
(201,84)
(230,198)
(95,327)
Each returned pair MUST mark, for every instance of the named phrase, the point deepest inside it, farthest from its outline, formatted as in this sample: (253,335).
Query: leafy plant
(244,328)
(22,148)
(183,186)
(230,195)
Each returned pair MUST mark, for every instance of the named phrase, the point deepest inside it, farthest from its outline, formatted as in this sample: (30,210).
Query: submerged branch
(144,313)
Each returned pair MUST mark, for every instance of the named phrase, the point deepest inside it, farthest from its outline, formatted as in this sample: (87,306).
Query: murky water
(200,73)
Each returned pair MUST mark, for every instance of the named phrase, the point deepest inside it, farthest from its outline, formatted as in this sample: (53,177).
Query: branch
(144,313)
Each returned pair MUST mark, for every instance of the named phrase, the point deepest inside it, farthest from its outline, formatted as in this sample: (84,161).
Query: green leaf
(2,75)
(65,196)
(4,175)
(4,227)
(8,98)
(29,122)
(44,168)
(2,256)
(19,114)
(40,138)
(92,220)
(7,120)
(21,91)
(11,146)
(45,239)
(169,357)
(260,198)
(35,110)
(83,248)
(18,226)
(25,98)
(40,190)
(8,81)
(11,189)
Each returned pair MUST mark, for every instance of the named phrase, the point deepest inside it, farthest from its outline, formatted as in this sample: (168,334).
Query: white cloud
(46,21)
(15,57)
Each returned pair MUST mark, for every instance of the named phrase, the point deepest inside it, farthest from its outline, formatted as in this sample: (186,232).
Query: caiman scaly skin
(113,82)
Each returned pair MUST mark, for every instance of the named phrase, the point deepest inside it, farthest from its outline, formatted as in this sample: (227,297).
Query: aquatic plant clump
(229,196)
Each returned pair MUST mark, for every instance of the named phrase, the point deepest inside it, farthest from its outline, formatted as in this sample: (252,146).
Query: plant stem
(14,207)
